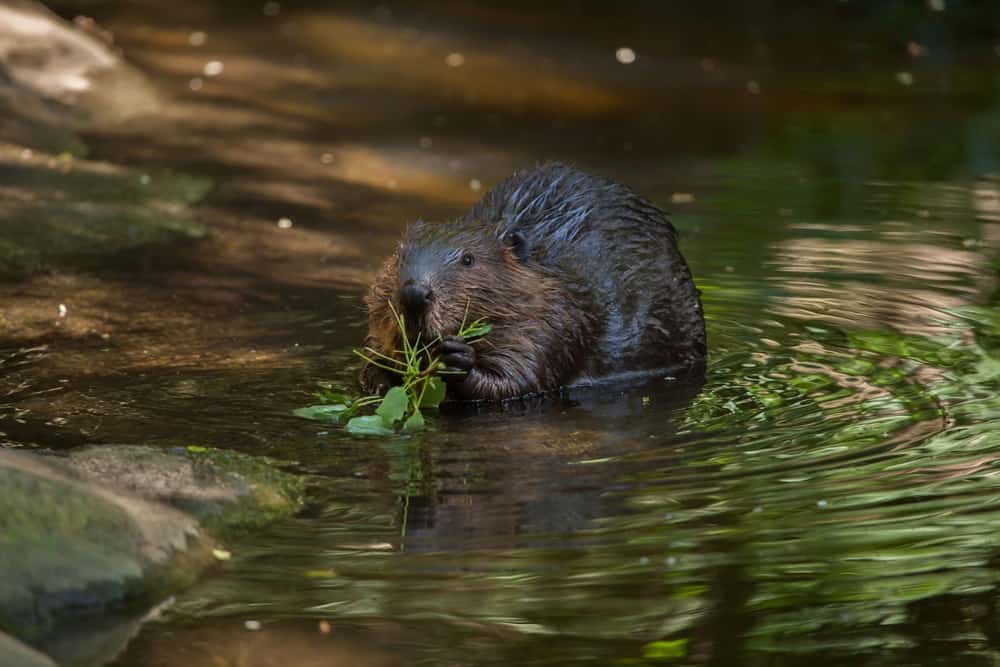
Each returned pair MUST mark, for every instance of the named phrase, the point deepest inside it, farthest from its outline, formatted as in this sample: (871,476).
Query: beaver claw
(458,357)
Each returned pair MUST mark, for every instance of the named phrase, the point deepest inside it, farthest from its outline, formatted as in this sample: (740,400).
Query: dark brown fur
(579,278)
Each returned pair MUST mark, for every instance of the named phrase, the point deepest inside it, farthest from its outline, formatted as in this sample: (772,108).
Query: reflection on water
(828,496)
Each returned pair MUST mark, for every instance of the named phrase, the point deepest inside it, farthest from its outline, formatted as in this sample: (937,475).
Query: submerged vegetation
(420,386)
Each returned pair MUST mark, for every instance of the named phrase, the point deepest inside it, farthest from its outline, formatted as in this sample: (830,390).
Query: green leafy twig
(420,384)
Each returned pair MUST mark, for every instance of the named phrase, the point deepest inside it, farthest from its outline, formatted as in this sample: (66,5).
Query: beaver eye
(468,260)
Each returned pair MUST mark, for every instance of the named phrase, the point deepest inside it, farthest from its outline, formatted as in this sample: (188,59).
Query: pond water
(828,495)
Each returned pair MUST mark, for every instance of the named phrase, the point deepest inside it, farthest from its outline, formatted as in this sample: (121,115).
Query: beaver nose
(415,298)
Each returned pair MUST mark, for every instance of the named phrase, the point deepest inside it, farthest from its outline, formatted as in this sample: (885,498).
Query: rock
(226,491)
(93,535)
(56,208)
(32,121)
(69,547)
(58,62)
(63,211)
(16,654)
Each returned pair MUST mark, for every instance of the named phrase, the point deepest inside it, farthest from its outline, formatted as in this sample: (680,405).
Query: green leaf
(414,423)
(368,425)
(665,650)
(393,406)
(434,393)
(320,574)
(323,413)
(476,330)
(330,397)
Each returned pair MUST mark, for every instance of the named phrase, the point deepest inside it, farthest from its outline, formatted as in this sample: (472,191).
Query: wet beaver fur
(580,278)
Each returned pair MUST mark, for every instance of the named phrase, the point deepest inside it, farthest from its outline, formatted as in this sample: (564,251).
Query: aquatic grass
(420,384)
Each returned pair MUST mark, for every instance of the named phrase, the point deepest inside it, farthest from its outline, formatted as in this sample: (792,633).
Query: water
(827,496)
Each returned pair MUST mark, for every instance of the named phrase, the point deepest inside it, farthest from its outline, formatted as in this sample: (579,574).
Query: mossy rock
(70,547)
(62,211)
(56,76)
(117,527)
(228,492)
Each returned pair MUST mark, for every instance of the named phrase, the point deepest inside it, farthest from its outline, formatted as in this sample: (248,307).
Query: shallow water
(827,496)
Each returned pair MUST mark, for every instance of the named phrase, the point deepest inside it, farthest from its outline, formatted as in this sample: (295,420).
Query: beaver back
(615,253)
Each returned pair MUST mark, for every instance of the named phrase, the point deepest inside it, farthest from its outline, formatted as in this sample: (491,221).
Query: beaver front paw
(458,357)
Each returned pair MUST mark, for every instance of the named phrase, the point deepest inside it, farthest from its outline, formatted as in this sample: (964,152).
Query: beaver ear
(518,244)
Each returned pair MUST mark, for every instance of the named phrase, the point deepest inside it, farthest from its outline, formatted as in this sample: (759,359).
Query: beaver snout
(415,298)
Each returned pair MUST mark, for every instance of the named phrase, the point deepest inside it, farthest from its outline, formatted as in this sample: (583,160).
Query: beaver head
(454,272)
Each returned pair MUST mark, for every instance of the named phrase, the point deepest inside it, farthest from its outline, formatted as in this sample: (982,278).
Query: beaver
(580,278)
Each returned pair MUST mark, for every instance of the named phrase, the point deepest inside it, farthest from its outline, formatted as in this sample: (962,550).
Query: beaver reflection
(509,475)
(579,277)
